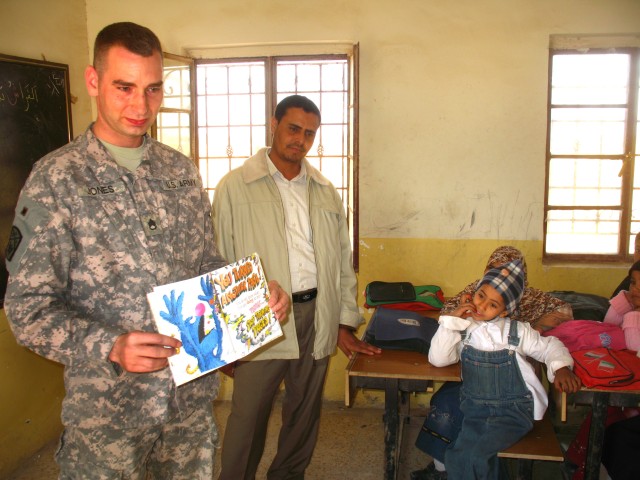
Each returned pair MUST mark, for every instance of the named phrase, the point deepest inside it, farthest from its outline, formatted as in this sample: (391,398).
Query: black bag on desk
(377,291)
(393,329)
(585,306)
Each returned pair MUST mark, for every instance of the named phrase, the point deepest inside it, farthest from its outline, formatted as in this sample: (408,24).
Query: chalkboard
(35,119)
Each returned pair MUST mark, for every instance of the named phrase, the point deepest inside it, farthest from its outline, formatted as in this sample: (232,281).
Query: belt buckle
(304,297)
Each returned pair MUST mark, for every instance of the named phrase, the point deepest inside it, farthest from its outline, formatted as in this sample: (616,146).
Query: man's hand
(349,343)
(279,301)
(143,352)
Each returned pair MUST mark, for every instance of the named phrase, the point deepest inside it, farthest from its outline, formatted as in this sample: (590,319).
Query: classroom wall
(453,102)
(31,387)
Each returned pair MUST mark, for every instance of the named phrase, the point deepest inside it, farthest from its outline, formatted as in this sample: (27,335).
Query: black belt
(306,296)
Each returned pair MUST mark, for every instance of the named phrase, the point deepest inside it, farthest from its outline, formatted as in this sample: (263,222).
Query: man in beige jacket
(310,256)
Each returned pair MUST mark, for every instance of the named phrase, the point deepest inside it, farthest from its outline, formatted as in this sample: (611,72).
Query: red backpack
(602,367)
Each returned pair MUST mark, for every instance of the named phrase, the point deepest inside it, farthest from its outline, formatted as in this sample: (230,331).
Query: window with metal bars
(235,100)
(592,197)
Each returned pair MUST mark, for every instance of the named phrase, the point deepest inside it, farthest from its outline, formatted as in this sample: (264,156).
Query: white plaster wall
(453,95)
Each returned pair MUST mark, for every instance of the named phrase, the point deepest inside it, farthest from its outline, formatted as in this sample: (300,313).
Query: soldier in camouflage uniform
(98,224)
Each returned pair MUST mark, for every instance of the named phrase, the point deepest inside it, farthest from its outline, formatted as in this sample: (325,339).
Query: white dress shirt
(295,201)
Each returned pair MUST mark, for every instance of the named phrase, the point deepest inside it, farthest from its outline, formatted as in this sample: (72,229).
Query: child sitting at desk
(620,328)
(624,309)
(500,397)
(622,436)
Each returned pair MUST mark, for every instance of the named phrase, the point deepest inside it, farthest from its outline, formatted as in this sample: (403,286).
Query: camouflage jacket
(90,239)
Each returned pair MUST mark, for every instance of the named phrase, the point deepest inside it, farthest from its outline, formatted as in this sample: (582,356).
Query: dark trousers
(255,386)
(621,448)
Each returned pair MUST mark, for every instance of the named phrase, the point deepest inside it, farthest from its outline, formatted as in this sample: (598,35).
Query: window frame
(628,157)
(190,63)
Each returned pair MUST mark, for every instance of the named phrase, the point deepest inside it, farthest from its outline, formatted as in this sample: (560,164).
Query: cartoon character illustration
(205,346)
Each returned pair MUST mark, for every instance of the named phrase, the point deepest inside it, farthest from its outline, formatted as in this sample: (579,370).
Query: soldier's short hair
(296,101)
(135,38)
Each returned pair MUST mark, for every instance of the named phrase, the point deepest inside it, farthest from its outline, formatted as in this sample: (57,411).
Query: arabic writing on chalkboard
(24,94)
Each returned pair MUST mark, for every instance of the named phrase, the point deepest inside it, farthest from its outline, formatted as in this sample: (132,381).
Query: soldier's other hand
(143,352)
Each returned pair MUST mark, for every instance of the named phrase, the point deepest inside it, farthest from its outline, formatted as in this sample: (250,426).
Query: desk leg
(525,469)
(391,427)
(596,435)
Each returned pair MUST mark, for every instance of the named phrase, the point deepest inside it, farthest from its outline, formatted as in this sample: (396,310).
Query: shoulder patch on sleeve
(30,219)
(15,237)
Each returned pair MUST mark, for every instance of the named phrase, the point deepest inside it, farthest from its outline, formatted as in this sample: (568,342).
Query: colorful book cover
(219,317)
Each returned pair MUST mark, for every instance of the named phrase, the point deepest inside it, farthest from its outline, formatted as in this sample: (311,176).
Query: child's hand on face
(466,307)
(566,381)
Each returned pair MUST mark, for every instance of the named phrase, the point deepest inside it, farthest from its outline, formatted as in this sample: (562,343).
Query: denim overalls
(497,408)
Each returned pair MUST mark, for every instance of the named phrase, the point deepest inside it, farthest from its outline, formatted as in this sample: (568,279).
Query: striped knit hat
(508,280)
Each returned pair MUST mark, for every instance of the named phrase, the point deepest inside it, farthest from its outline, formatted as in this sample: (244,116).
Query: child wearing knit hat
(500,397)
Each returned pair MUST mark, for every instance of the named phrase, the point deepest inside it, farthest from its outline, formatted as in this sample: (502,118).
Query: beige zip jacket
(249,217)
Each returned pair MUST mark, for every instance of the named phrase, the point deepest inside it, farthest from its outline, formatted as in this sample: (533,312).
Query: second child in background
(625,309)
(619,329)
(624,284)
(501,396)
(536,307)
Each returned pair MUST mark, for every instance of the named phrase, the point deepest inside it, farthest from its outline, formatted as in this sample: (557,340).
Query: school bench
(540,444)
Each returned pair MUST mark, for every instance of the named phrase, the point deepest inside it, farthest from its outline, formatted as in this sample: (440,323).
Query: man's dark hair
(135,38)
(296,101)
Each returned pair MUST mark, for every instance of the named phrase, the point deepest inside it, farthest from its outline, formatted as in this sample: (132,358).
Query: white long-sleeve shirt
(491,336)
(295,204)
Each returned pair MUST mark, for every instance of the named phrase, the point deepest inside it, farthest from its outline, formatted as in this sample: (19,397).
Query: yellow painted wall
(31,387)
(30,400)
(453,102)
(453,264)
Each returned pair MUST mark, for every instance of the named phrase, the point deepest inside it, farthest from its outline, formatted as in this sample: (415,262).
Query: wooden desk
(599,399)
(397,373)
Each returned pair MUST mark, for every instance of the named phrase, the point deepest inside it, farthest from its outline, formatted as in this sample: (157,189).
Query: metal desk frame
(398,373)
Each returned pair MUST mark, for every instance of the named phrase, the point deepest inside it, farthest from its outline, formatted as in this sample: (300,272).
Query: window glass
(590,79)
(592,203)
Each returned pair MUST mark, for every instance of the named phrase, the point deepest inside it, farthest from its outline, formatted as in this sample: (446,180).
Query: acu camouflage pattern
(96,239)
(183,450)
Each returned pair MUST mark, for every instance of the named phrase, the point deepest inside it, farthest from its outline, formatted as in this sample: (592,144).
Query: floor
(350,446)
